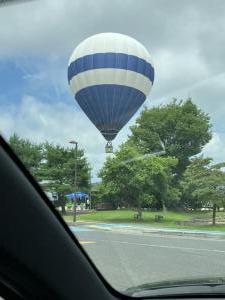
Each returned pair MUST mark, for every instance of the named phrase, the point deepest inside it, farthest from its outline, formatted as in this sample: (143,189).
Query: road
(128,260)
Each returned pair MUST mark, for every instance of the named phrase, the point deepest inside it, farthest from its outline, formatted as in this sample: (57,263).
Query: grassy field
(170,219)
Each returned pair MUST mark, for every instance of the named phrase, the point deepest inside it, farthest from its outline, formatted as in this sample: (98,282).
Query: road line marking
(164,246)
(86,242)
(208,239)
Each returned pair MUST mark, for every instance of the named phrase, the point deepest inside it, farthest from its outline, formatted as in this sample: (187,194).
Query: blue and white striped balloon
(110,75)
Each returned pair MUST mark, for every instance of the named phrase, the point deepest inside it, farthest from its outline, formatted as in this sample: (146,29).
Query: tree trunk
(139,212)
(164,207)
(63,209)
(214,215)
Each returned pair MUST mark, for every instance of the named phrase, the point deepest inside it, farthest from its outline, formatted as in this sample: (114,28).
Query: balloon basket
(109,147)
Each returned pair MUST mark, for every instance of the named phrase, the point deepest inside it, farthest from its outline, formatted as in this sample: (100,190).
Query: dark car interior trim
(39,255)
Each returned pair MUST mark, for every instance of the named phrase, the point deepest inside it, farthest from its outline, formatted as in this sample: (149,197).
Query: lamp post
(90,190)
(75,181)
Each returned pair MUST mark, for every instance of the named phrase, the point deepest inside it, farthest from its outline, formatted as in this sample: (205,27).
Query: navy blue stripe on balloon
(109,106)
(111,60)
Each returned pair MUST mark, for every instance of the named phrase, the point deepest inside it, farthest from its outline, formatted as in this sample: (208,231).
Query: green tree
(137,180)
(204,184)
(182,127)
(57,171)
(53,166)
(29,153)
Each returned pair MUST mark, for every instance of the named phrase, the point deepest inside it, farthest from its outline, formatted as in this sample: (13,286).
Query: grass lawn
(170,219)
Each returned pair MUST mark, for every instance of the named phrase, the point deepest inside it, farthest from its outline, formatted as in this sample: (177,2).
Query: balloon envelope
(110,75)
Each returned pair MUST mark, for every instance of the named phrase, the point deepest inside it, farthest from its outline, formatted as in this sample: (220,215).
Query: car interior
(39,258)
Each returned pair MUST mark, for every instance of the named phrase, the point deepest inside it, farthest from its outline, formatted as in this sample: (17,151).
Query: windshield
(117,109)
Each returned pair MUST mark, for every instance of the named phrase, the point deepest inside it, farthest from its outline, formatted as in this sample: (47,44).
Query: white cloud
(177,71)
(186,39)
(216,147)
(57,123)
(49,27)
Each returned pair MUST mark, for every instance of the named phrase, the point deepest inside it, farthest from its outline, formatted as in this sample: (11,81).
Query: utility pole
(75,181)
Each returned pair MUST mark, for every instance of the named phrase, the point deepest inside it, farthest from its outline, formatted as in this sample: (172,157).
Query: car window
(116,108)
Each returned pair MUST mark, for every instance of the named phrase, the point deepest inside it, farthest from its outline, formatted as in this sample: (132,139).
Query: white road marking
(208,239)
(86,242)
(164,246)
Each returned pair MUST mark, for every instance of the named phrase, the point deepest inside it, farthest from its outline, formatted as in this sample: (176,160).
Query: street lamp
(75,180)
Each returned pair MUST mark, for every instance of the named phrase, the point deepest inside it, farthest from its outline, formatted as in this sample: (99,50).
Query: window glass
(117,109)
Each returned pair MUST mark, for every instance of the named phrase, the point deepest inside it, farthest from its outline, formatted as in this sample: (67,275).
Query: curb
(169,231)
(138,230)
(78,223)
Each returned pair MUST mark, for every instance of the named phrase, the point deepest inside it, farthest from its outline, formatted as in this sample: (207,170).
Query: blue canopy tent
(79,198)
(76,195)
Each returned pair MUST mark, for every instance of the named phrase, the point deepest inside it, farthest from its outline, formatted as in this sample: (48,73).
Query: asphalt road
(128,260)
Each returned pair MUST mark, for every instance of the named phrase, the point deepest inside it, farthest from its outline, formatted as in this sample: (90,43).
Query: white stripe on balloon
(111,76)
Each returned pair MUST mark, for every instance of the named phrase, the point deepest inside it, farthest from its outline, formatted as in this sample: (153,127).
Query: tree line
(159,166)
(53,166)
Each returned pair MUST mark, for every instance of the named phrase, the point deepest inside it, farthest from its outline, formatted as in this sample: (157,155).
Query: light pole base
(74,213)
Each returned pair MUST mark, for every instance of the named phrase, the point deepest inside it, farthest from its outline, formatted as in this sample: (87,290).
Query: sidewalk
(82,223)
(143,229)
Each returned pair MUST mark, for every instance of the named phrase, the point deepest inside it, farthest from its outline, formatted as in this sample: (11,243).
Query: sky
(184,37)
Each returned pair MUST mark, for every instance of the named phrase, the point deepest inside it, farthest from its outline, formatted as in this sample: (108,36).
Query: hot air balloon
(110,75)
